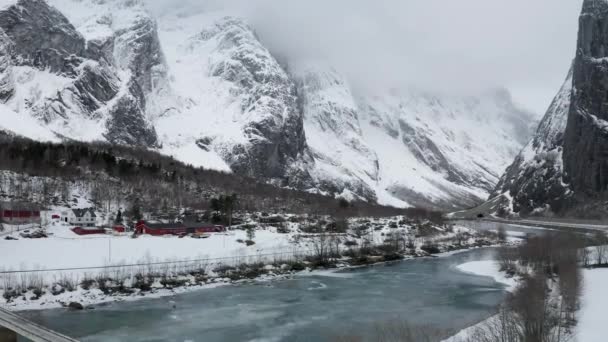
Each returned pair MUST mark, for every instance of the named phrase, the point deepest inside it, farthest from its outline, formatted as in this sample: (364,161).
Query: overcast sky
(449,45)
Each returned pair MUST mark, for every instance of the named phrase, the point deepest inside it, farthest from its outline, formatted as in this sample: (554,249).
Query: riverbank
(321,305)
(281,251)
(90,297)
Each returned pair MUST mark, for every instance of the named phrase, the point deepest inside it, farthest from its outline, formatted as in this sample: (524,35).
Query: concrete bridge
(15,328)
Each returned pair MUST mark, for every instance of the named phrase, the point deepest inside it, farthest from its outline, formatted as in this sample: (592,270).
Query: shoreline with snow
(484,268)
(93,297)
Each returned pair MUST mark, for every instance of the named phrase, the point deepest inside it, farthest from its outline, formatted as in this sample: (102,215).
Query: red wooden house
(145,227)
(19,213)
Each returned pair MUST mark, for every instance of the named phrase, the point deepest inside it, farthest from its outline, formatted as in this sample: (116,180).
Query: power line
(146,264)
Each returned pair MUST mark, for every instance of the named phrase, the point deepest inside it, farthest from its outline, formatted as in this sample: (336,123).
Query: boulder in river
(75,306)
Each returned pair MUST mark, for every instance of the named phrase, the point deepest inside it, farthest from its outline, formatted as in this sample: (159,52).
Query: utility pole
(110,250)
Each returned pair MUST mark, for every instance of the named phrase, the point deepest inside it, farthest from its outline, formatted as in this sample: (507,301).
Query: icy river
(313,307)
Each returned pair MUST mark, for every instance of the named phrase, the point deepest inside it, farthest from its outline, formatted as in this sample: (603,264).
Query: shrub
(312,229)
(250,243)
(298,266)
(87,283)
(392,257)
(283,230)
(431,249)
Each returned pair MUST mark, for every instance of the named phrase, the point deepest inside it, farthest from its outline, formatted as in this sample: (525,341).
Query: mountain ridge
(202,87)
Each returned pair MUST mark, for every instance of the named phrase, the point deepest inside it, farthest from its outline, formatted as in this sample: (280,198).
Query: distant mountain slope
(204,88)
(409,146)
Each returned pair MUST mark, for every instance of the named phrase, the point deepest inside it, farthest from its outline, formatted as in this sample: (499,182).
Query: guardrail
(30,330)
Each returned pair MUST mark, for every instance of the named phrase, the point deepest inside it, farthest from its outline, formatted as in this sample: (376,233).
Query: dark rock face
(42,36)
(127,125)
(94,86)
(6,76)
(586,136)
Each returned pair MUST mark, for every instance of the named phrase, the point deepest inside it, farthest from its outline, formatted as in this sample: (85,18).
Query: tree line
(116,175)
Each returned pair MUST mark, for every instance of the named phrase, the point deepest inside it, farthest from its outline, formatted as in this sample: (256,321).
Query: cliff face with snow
(69,86)
(565,166)
(204,88)
(535,180)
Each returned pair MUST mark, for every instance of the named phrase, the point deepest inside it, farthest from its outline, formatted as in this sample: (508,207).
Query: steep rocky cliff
(586,135)
(564,169)
(534,182)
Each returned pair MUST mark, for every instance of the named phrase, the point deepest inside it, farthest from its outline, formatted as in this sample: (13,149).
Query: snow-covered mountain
(408,146)
(203,87)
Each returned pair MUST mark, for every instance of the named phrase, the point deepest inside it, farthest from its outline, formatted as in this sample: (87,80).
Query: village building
(159,228)
(19,213)
(81,217)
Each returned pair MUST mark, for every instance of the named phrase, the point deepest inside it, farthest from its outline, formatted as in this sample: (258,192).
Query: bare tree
(321,247)
(601,247)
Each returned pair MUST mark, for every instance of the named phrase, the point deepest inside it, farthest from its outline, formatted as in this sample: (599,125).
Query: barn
(19,213)
(153,228)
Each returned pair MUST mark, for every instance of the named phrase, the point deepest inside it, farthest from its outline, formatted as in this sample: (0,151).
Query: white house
(81,217)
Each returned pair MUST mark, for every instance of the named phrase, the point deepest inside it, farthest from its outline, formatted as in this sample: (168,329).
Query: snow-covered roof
(82,212)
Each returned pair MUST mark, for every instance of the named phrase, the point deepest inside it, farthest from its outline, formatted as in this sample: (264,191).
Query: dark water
(306,308)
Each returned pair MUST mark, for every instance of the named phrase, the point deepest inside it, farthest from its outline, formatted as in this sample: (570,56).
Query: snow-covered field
(592,317)
(65,249)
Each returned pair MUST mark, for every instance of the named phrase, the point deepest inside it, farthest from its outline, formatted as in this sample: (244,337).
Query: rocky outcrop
(586,135)
(127,125)
(69,83)
(75,306)
(274,126)
(136,48)
(42,36)
(7,85)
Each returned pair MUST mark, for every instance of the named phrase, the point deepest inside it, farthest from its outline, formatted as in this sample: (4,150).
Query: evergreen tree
(250,233)
(118,219)
(136,214)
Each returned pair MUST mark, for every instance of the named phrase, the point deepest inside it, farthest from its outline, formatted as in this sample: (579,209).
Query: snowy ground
(65,249)
(488,268)
(592,317)
(591,325)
